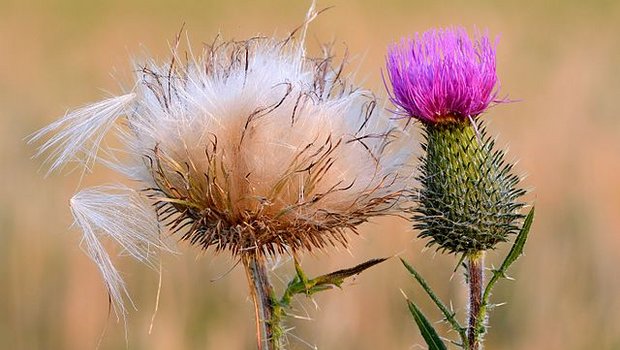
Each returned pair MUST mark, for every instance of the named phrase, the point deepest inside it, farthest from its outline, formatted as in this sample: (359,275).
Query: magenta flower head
(468,200)
(443,75)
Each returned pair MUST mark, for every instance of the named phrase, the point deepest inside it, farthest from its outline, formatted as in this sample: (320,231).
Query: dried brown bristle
(199,205)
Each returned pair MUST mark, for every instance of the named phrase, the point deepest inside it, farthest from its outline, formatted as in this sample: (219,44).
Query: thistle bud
(469,197)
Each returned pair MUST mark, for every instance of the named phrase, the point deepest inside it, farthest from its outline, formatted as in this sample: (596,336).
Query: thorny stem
(475,280)
(267,334)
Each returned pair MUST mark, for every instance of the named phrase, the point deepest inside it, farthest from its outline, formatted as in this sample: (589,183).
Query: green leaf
(442,307)
(426,329)
(517,247)
(513,255)
(301,284)
(336,278)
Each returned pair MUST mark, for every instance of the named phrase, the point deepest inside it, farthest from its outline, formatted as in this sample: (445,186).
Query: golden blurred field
(560,59)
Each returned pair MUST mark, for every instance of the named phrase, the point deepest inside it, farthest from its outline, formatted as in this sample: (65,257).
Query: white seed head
(250,146)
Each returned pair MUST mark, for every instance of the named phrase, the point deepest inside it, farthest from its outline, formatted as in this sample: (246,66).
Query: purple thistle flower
(443,75)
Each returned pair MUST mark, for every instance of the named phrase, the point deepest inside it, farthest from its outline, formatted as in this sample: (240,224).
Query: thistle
(251,148)
(469,199)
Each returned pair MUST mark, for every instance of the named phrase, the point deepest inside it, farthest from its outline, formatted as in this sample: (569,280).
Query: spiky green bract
(469,197)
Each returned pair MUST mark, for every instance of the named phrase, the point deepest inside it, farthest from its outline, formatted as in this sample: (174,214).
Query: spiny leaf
(426,329)
(301,284)
(337,277)
(447,313)
(513,254)
(517,247)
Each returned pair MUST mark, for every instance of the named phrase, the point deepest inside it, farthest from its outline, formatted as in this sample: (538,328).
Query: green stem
(268,335)
(475,280)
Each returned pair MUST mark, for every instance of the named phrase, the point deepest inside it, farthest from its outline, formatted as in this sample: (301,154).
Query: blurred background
(559,59)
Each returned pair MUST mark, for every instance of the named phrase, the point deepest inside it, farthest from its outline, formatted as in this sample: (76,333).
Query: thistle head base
(469,198)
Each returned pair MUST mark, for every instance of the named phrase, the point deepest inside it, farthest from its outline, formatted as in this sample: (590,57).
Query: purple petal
(442,73)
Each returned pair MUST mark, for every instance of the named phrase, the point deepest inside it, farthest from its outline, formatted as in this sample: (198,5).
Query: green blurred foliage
(560,60)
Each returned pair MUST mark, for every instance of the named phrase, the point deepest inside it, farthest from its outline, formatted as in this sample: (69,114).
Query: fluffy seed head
(253,146)
(442,75)
(249,146)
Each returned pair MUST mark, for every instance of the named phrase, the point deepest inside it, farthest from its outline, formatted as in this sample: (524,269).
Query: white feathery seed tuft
(122,214)
(77,135)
